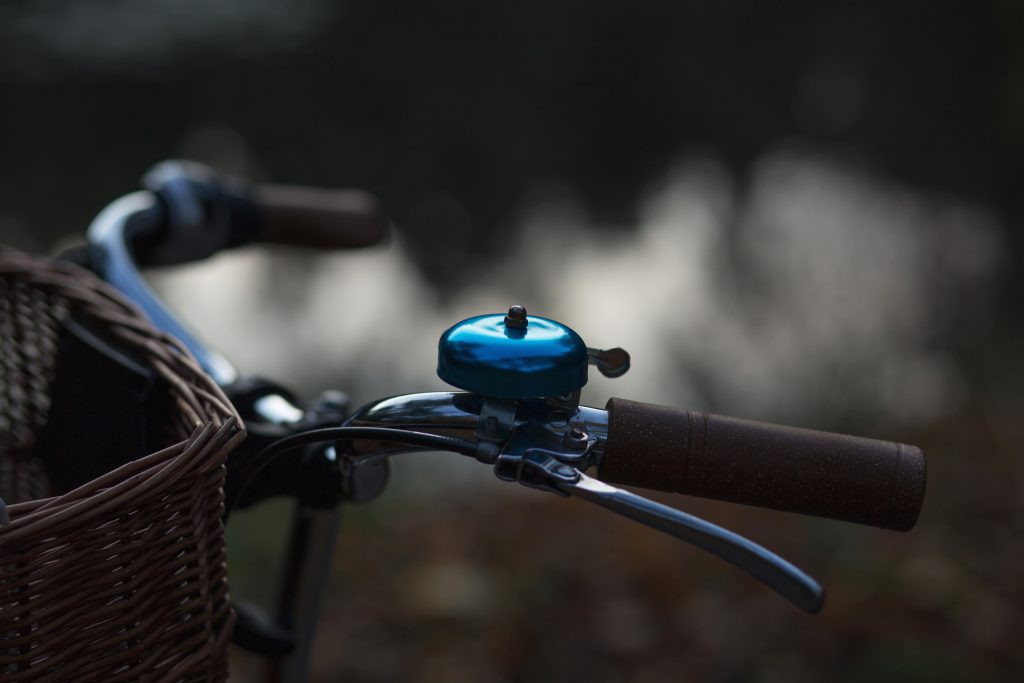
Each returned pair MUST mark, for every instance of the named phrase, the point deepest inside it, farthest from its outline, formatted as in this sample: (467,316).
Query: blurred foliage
(455,111)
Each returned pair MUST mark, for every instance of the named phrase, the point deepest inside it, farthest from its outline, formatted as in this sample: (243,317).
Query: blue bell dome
(512,356)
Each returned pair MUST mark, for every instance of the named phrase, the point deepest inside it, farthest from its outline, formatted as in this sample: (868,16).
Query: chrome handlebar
(111,236)
(457,413)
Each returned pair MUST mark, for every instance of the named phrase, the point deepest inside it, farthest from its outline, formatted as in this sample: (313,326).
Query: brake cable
(285,445)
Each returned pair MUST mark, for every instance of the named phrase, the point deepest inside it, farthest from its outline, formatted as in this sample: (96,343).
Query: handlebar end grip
(910,484)
(855,479)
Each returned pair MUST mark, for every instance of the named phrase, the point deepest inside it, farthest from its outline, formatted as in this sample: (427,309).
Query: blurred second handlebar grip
(318,218)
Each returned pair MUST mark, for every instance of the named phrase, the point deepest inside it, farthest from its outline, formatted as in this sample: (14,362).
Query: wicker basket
(124,577)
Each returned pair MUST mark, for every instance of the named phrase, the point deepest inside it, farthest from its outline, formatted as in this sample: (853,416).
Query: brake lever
(783,577)
(537,456)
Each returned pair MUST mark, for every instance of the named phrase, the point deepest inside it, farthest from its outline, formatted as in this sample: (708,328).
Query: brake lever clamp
(537,469)
(545,456)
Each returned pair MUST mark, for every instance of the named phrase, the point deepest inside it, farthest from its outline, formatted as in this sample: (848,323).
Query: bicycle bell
(518,356)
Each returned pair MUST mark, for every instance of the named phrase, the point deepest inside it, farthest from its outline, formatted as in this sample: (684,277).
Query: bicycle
(518,411)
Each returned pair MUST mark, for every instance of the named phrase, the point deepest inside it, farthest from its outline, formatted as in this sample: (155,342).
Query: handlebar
(542,439)
(854,479)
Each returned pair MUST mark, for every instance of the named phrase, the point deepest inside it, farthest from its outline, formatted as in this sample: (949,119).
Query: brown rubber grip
(324,219)
(784,468)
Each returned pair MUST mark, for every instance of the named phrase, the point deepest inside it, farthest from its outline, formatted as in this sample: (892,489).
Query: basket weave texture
(123,578)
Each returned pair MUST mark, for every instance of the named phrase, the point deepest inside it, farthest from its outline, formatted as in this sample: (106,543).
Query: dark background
(905,120)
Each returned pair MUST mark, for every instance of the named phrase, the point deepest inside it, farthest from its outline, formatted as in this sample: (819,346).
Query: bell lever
(610,362)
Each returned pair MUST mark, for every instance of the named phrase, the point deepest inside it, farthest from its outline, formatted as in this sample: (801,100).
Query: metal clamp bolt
(576,439)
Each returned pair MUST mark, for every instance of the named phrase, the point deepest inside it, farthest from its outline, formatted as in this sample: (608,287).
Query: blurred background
(802,212)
